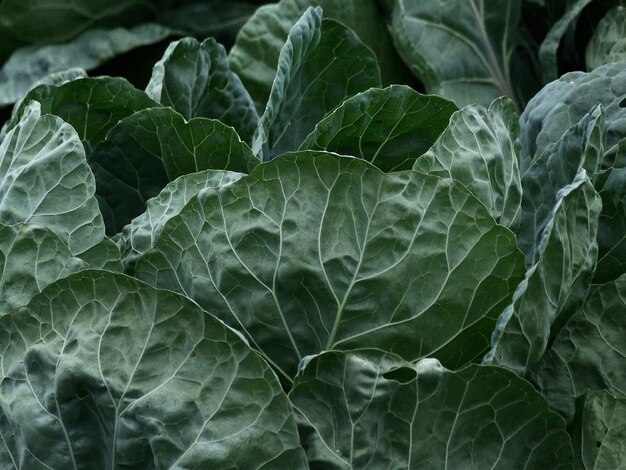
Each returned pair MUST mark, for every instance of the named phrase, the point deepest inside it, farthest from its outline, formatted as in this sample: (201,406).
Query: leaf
(477,37)
(600,432)
(321,64)
(588,353)
(556,285)
(140,235)
(45,180)
(105,255)
(30,64)
(55,21)
(369,410)
(389,127)
(150,148)
(91,105)
(608,43)
(254,56)
(195,80)
(479,149)
(550,45)
(564,102)
(31,257)
(582,146)
(102,371)
(314,251)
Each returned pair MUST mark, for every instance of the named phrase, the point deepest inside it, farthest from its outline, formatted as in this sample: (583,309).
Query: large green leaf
(54,21)
(139,236)
(389,127)
(608,43)
(45,180)
(564,102)
(581,146)
(601,425)
(479,150)
(550,45)
(194,79)
(321,64)
(91,105)
(589,352)
(102,371)
(314,251)
(31,257)
(28,65)
(460,49)
(254,57)
(370,410)
(556,285)
(150,148)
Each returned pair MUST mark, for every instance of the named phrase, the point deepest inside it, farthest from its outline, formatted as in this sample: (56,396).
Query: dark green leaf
(479,150)
(255,54)
(370,410)
(28,65)
(556,285)
(460,49)
(45,180)
(389,127)
(102,371)
(194,79)
(608,43)
(314,251)
(148,149)
(321,64)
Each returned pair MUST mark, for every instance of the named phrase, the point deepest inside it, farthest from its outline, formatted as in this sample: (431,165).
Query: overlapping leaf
(95,46)
(45,180)
(589,352)
(314,251)
(608,43)
(195,80)
(254,55)
(102,371)
(479,149)
(389,127)
(478,38)
(139,236)
(556,285)
(370,410)
(321,64)
(147,150)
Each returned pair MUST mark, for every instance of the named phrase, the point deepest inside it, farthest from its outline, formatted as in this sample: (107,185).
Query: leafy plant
(279,252)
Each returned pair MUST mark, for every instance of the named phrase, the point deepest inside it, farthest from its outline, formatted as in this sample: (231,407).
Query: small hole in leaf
(622,104)
(403,375)
(598,444)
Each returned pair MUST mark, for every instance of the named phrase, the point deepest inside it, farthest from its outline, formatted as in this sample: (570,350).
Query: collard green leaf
(369,410)
(31,257)
(589,352)
(91,105)
(564,102)
(478,38)
(105,255)
(581,146)
(55,21)
(550,45)
(321,64)
(148,149)
(45,180)
(314,251)
(479,149)
(139,236)
(194,79)
(556,285)
(600,429)
(28,65)
(389,127)
(608,43)
(254,56)
(102,371)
